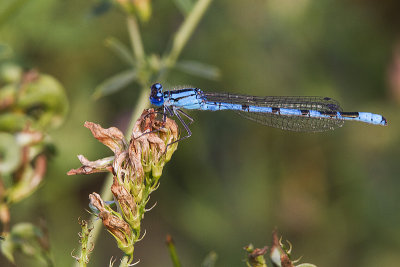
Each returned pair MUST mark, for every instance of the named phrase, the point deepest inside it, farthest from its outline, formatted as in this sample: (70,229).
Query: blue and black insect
(293,113)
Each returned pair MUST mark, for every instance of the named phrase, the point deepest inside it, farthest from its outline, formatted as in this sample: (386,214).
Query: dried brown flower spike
(137,167)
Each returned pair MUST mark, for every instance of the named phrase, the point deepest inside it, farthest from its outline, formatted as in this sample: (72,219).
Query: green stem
(172,252)
(136,39)
(142,103)
(124,261)
(185,31)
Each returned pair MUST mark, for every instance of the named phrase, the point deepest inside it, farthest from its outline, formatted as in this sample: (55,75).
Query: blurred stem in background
(145,70)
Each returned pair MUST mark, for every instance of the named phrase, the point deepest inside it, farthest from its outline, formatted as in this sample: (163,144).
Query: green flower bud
(141,8)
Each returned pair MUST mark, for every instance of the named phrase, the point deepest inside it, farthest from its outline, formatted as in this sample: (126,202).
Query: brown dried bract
(276,245)
(114,224)
(124,198)
(155,139)
(258,252)
(111,137)
(88,167)
(285,261)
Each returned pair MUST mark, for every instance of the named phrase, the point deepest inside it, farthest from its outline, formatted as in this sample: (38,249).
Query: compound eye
(156,86)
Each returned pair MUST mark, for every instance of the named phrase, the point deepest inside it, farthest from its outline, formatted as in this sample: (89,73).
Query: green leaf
(8,248)
(185,6)
(10,153)
(5,51)
(44,100)
(24,237)
(10,72)
(115,83)
(172,252)
(13,122)
(199,69)
(210,260)
(120,50)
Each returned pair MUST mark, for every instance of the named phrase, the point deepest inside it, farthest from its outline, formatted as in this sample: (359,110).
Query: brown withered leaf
(116,226)
(258,252)
(135,157)
(39,170)
(145,123)
(143,142)
(173,127)
(121,166)
(111,137)
(5,218)
(124,198)
(285,261)
(277,248)
(88,167)
(97,202)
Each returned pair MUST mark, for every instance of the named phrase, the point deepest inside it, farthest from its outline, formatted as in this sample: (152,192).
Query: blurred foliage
(334,195)
(30,104)
(29,240)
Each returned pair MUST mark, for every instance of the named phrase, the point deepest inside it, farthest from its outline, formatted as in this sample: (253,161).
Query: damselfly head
(156,95)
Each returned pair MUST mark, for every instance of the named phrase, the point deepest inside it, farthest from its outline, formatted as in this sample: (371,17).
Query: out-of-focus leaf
(10,153)
(306,265)
(5,51)
(24,237)
(26,230)
(210,260)
(8,248)
(115,83)
(9,72)
(13,122)
(29,182)
(44,100)
(172,252)
(35,98)
(8,95)
(199,69)
(184,5)
(120,50)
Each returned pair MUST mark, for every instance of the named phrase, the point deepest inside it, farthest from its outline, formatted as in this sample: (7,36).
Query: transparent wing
(285,122)
(293,123)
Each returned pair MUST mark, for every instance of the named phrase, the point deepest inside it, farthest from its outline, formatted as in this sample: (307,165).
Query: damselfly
(294,113)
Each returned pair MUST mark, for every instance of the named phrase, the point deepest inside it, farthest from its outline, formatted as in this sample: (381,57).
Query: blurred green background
(334,195)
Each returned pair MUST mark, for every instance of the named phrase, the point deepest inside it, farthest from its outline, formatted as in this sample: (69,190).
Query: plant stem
(142,103)
(172,252)
(185,31)
(124,261)
(136,39)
